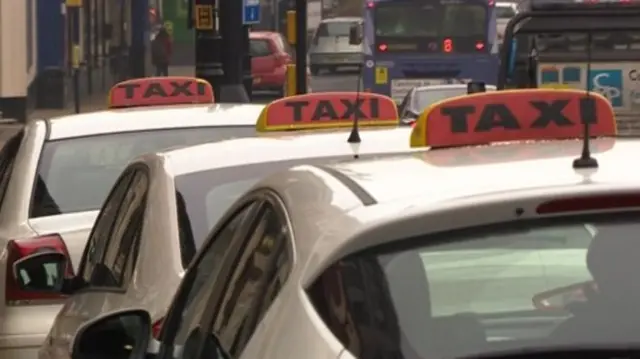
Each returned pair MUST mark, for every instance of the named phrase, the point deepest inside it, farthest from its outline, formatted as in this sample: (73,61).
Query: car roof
(447,87)
(262,34)
(283,146)
(506,4)
(367,194)
(153,118)
(342,19)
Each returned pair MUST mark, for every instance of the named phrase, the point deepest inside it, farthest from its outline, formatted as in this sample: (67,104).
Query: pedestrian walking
(161,51)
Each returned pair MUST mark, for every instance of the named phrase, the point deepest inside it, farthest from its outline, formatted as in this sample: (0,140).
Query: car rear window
(206,196)
(480,291)
(330,29)
(76,174)
(259,47)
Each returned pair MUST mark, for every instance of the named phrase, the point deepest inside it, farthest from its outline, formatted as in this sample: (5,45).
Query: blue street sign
(250,12)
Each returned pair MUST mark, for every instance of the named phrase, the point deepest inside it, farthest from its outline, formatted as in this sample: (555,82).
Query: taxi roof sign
(513,115)
(160,91)
(327,110)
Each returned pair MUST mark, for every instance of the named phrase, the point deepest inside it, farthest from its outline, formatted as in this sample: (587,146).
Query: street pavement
(341,81)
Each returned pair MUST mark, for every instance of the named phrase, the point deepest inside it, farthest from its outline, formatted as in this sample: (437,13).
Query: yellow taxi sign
(160,91)
(513,115)
(326,110)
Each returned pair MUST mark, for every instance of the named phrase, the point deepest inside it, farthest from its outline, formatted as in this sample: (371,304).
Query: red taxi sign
(325,110)
(513,115)
(160,91)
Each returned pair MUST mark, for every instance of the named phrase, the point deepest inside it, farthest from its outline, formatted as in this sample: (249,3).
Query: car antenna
(585,160)
(354,137)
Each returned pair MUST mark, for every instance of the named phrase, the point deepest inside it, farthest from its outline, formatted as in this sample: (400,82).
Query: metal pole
(208,42)
(301,46)
(75,57)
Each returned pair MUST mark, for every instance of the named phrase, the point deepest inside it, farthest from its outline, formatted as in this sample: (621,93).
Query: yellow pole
(291,27)
(290,84)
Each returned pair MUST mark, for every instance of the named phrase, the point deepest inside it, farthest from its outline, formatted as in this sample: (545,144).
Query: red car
(270,55)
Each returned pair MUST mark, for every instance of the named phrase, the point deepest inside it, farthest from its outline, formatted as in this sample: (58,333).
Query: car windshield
(485,290)
(425,97)
(505,11)
(76,174)
(208,195)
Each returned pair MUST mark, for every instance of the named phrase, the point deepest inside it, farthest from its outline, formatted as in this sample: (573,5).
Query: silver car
(54,176)
(420,98)
(330,47)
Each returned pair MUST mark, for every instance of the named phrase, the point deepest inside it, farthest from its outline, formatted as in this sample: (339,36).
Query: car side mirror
(120,335)
(355,35)
(41,272)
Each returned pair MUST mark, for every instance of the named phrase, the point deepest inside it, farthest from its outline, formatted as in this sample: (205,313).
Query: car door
(108,260)
(252,275)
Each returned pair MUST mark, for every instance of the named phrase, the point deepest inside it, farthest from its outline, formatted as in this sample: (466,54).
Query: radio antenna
(354,137)
(589,114)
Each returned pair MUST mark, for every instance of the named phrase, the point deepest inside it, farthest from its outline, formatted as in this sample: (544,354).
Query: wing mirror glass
(41,272)
(561,298)
(355,34)
(121,335)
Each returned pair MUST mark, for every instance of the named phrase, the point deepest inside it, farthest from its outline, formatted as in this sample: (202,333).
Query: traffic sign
(74,3)
(204,17)
(250,12)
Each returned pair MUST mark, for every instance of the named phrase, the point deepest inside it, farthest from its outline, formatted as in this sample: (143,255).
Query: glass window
(97,161)
(209,194)
(332,29)
(7,159)
(244,299)
(101,232)
(425,97)
(424,20)
(484,290)
(259,47)
(505,11)
(125,233)
(201,277)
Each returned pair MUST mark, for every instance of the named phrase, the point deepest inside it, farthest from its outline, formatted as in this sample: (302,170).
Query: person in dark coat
(161,51)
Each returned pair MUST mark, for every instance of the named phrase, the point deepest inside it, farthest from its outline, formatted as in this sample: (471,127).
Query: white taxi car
(55,174)
(425,255)
(164,204)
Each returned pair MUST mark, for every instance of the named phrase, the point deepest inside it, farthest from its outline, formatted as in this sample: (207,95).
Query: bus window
(456,27)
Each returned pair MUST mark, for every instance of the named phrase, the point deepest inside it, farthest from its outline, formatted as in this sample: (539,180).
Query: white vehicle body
(325,214)
(25,324)
(152,275)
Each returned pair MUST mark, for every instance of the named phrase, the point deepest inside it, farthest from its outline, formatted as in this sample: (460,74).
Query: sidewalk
(98,101)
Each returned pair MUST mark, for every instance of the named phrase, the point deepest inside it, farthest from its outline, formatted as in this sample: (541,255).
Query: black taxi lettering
(157,90)
(326,109)
(498,115)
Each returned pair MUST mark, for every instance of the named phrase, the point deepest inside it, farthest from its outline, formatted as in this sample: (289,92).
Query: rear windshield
(424,98)
(206,196)
(259,47)
(76,174)
(505,12)
(489,289)
(330,29)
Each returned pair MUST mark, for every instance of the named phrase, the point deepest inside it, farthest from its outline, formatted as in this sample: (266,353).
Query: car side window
(97,242)
(125,234)
(258,274)
(201,275)
(259,48)
(7,159)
